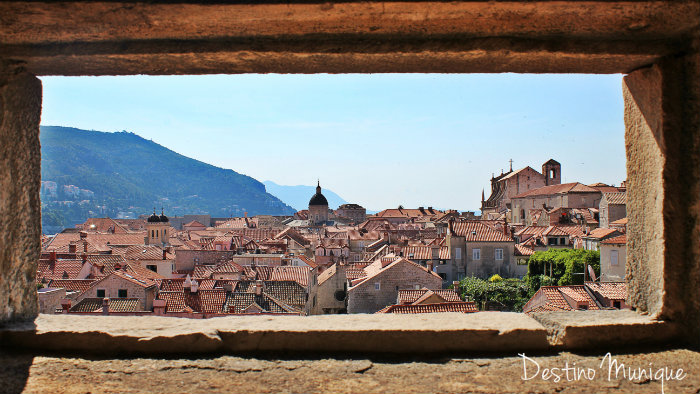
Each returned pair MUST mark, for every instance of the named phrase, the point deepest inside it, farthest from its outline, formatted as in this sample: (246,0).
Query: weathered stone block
(20,207)
(662,136)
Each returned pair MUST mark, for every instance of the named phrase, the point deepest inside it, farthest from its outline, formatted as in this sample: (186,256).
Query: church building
(512,183)
(318,208)
(157,229)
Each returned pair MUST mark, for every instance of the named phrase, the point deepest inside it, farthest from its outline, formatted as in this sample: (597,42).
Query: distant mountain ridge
(129,174)
(298,196)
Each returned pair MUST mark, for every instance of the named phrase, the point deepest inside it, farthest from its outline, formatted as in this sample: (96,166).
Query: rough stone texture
(430,333)
(662,122)
(132,37)
(47,374)
(605,329)
(20,176)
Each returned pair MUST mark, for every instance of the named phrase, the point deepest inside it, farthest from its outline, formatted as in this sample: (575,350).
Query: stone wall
(50,300)
(112,284)
(662,136)
(187,259)
(364,298)
(20,207)
(609,272)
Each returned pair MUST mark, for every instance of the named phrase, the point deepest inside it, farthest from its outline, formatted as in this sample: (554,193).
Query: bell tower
(552,172)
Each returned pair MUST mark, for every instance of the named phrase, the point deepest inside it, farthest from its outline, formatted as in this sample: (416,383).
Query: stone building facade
(476,249)
(318,208)
(613,259)
(331,291)
(122,285)
(613,206)
(525,206)
(507,185)
(385,278)
(354,212)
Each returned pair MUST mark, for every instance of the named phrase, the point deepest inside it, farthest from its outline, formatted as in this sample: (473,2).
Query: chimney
(245,214)
(72,248)
(164,254)
(435,252)
(85,246)
(84,257)
(105,306)
(159,307)
(83,235)
(66,304)
(455,284)
(258,287)
(194,287)
(429,265)
(52,256)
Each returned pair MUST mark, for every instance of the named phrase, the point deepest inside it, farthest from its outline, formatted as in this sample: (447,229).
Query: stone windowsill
(483,332)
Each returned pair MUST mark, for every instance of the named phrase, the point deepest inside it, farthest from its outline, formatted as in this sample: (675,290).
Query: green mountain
(122,174)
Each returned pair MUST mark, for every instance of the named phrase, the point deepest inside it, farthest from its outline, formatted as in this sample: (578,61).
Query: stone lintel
(121,38)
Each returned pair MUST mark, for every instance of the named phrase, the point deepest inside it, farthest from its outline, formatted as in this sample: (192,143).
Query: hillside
(124,174)
(298,196)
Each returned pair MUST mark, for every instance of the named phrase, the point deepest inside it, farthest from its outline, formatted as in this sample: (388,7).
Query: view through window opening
(450,193)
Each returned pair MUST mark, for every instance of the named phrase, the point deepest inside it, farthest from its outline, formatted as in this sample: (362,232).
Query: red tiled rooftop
(619,240)
(475,231)
(463,307)
(619,198)
(574,187)
(609,290)
(410,296)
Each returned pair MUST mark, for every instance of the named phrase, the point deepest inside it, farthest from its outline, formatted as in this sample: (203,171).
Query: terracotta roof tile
(475,231)
(619,240)
(291,273)
(522,250)
(289,292)
(619,198)
(609,290)
(115,305)
(410,296)
(558,189)
(463,307)
(79,285)
(601,233)
(238,302)
(60,269)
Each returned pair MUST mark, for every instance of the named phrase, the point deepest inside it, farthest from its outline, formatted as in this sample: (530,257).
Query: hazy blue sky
(378,140)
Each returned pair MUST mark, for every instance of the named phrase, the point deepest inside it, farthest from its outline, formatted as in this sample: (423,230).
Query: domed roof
(163,218)
(318,198)
(154,218)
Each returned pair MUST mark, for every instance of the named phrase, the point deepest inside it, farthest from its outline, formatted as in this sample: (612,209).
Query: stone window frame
(655,44)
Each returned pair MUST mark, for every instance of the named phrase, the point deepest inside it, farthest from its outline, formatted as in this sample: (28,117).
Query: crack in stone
(210,368)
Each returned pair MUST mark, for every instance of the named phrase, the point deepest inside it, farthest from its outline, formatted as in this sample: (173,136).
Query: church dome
(318,198)
(154,218)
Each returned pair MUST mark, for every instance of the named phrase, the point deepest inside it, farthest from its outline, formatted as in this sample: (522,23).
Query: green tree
(560,267)
(511,293)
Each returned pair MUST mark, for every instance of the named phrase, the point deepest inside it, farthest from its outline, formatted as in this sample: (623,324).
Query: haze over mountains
(298,196)
(91,173)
